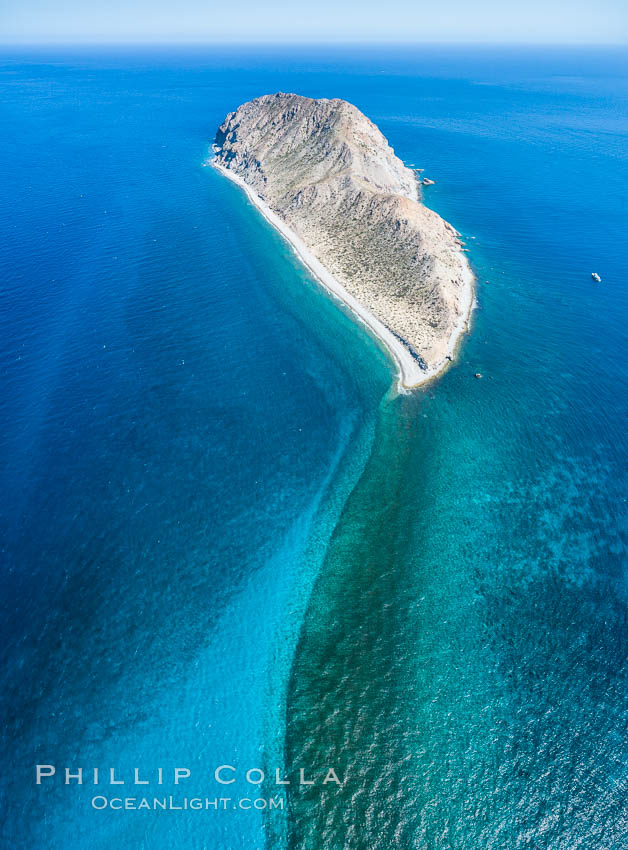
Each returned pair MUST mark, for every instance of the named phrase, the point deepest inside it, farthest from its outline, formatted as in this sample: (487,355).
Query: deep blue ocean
(226,541)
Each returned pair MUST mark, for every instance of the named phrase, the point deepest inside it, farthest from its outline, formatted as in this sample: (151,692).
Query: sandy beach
(410,374)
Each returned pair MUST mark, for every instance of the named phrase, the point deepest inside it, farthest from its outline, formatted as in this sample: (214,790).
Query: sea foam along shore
(410,375)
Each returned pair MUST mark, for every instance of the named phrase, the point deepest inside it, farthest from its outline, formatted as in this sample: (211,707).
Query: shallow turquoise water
(184,416)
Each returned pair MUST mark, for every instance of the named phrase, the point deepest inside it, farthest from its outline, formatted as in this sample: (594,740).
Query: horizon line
(310,43)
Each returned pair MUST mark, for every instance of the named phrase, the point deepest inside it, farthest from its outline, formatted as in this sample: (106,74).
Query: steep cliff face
(330,174)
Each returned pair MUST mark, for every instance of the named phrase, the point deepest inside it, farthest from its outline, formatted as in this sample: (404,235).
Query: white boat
(596,277)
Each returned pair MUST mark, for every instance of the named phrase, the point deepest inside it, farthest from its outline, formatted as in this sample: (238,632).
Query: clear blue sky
(543,21)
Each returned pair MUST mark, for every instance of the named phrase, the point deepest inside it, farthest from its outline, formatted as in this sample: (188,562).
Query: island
(324,175)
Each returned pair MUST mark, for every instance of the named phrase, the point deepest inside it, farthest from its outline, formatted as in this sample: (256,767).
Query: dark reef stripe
(346,708)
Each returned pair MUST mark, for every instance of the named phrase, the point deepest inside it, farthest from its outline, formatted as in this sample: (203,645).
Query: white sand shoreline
(410,375)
